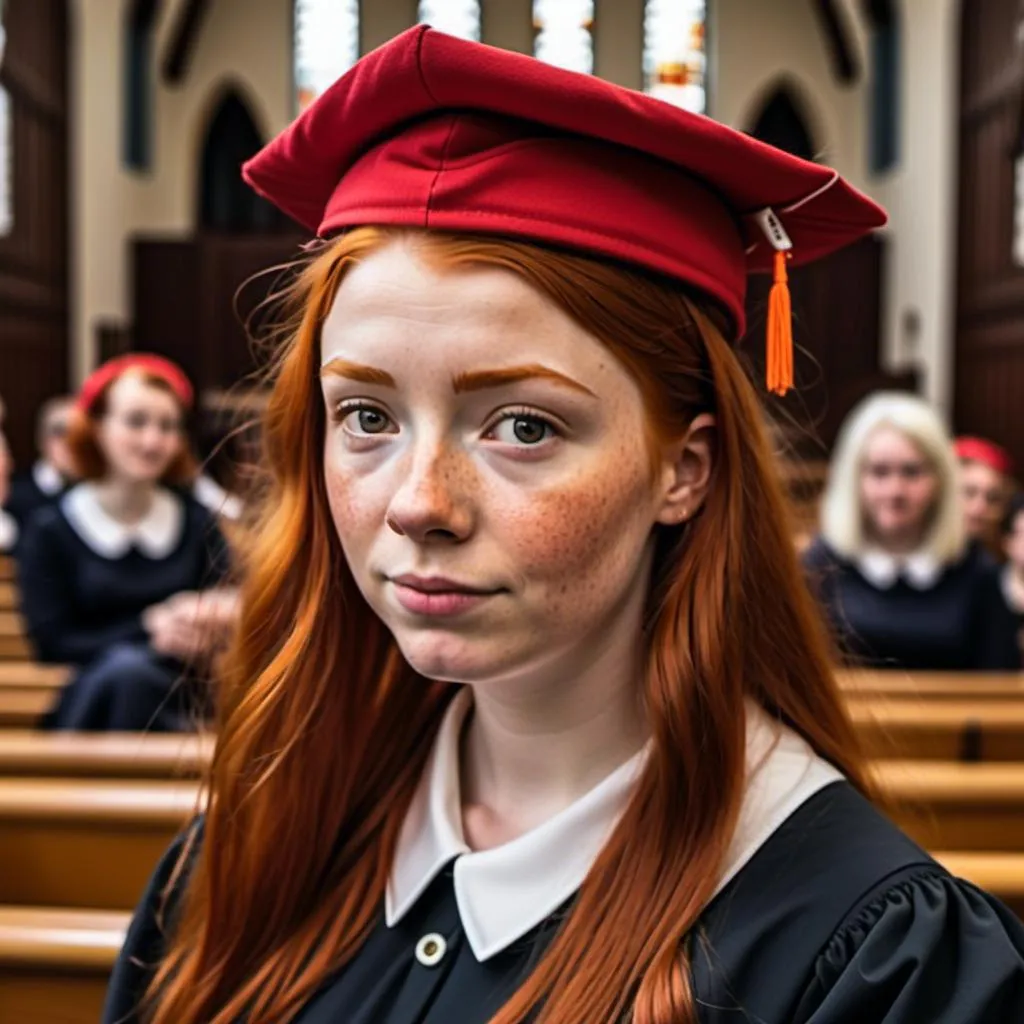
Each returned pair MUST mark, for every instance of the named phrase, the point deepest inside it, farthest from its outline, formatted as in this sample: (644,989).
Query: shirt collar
(48,478)
(505,892)
(920,569)
(212,496)
(156,535)
(8,530)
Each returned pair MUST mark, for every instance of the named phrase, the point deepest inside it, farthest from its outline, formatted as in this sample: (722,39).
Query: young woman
(530,716)
(902,585)
(985,471)
(114,576)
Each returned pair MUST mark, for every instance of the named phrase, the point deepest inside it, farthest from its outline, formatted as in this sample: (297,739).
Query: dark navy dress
(837,919)
(84,587)
(959,622)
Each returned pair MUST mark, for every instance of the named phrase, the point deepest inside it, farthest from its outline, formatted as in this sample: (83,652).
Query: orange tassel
(779,363)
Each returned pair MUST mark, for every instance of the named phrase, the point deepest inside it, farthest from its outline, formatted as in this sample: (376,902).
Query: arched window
(138,84)
(326,45)
(225,203)
(885,83)
(675,52)
(782,122)
(563,33)
(456,17)
(6,163)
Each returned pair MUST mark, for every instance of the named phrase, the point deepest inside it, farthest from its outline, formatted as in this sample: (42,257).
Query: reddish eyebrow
(482,379)
(476,380)
(357,372)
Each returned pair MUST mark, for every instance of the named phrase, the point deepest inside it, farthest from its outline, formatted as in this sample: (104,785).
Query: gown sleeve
(53,624)
(931,948)
(144,943)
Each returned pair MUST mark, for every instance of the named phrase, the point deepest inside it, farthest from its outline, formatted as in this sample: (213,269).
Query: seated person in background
(53,471)
(113,574)
(1013,549)
(985,471)
(902,585)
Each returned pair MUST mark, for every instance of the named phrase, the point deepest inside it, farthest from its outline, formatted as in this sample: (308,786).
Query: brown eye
(528,430)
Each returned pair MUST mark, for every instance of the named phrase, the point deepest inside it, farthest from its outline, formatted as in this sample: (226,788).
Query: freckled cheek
(576,539)
(357,505)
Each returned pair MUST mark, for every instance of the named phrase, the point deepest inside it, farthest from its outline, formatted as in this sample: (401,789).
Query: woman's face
(487,470)
(982,491)
(898,489)
(141,432)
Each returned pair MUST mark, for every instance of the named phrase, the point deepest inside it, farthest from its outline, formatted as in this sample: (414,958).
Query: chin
(453,659)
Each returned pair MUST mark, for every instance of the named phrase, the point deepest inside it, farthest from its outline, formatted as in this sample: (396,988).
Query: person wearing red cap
(111,573)
(985,472)
(531,716)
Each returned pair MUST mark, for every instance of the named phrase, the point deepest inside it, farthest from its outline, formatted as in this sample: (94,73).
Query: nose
(433,503)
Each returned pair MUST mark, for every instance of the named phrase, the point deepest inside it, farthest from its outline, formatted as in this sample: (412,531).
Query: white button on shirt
(430,950)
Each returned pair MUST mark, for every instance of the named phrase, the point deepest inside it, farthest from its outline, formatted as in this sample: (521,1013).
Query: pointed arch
(231,136)
(783,119)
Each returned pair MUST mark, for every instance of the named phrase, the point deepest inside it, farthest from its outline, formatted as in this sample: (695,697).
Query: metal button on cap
(430,950)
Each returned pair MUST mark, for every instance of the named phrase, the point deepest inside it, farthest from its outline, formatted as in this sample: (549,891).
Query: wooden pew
(972,686)
(13,641)
(1001,874)
(54,964)
(103,755)
(22,709)
(86,843)
(955,806)
(951,730)
(27,690)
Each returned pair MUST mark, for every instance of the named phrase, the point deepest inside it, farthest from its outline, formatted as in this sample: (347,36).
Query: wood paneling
(33,257)
(989,353)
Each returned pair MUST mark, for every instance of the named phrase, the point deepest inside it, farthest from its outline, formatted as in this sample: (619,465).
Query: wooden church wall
(989,353)
(33,254)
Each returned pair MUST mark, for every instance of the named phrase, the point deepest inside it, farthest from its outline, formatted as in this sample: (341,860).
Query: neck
(125,500)
(899,545)
(532,749)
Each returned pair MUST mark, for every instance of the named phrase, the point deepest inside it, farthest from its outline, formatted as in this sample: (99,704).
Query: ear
(686,471)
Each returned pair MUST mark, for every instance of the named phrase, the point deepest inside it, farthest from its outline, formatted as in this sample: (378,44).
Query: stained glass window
(675,54)
(563,33)
(456,17)
(326,45)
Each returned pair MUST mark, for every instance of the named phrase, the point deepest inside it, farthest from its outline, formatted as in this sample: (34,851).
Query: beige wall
(245,43)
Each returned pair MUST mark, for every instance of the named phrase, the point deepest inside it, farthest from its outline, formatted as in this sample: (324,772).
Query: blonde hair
(842,521)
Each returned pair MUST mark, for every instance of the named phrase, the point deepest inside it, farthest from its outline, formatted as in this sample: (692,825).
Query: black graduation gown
(959,624)
(838,919)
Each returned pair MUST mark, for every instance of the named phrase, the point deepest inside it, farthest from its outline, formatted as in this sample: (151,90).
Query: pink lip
(436,595)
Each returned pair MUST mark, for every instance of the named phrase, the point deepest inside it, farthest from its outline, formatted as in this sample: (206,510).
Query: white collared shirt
(48,478)
(212,496)
(920,569)
(505,892)
(156,534)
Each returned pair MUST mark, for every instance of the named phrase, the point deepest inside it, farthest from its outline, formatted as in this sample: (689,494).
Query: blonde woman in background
(899,579)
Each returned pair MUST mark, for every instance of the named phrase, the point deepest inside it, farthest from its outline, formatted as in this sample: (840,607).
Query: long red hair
(324,728)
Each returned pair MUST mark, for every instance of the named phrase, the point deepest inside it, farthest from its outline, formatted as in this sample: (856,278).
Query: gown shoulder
(840,918)
(929,948)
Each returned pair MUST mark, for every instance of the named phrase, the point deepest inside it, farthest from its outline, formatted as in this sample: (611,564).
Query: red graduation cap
(431,131)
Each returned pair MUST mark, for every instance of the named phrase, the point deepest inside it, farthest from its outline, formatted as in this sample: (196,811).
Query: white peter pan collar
(47,478)
(920,569)
(505,892)
(156,535)
(212,496)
